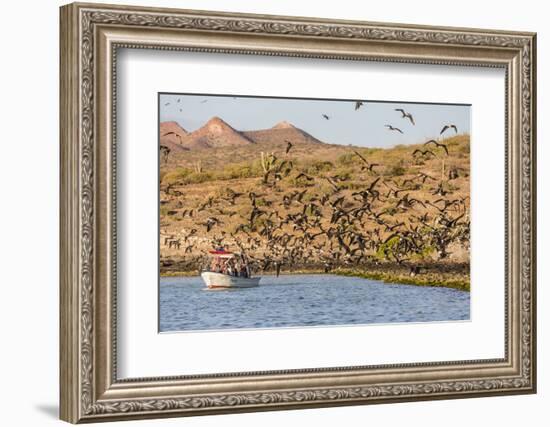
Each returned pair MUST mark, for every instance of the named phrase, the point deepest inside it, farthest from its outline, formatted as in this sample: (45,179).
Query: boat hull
(224,281)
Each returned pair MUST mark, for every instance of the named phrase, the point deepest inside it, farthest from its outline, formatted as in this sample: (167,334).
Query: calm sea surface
(304,300)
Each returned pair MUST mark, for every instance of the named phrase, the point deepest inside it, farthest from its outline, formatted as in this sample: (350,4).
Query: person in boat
(229,268)
(215,266)
(242,271)
(237,267)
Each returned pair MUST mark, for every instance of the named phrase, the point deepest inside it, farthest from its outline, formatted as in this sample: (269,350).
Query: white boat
(226,270)
(221,281)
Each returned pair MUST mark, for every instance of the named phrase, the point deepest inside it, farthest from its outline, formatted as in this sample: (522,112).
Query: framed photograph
(265,213)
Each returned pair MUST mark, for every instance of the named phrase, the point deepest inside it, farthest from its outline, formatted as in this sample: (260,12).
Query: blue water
(304,300)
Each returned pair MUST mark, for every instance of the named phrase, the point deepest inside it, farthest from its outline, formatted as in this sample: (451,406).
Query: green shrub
(396,169)
(237,171)
(317,166)
(387,246)
(178,175)
(198,177)
(346,159)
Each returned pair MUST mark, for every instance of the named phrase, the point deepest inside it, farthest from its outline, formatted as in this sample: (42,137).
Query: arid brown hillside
(281,132)
(215,134)
(305,147)
(319,205)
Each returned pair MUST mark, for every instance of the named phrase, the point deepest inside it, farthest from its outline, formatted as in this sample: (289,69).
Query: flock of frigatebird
(294,218)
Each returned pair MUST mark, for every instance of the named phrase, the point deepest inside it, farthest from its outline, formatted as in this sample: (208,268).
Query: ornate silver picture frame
(91,36)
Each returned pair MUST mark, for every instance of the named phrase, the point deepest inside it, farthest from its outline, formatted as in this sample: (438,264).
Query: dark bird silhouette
(393,227)
(324,199)
(425,176)
(437,144)
(326,117)
(300,196)
(289,145)
(332,184)
(210,222)
(451,223)
(406,115)
(173,133)
(368,165)
(369,192)
(207,204)
(390,127)
(256,213)
(231,196)
(373,184)
(358,105)
(423,153)
(405,202)
(453,173)
(165,151)
(446,127)
(446,204)
(278,268)
(303,175)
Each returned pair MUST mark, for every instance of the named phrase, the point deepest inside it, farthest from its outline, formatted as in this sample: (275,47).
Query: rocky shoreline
(448,275)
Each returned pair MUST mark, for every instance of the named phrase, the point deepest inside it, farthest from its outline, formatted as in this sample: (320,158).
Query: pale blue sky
(364,127)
